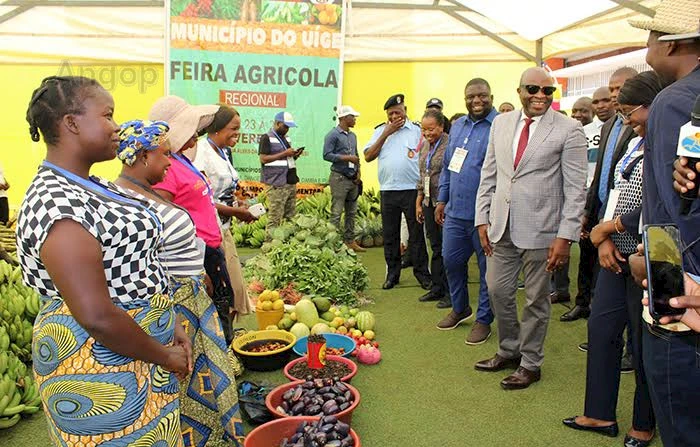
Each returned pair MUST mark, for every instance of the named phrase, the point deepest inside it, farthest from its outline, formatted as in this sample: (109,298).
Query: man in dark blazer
(614,137)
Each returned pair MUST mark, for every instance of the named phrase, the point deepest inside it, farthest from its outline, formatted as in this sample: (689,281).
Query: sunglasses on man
(534,89)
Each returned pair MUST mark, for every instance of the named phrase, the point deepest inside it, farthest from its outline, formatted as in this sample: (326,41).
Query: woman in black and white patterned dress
(105,341)
(617,296)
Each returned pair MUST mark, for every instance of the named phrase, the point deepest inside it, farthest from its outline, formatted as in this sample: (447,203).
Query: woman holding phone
(618,297)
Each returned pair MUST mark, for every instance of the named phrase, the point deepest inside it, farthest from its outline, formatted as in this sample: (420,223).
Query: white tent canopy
(94,31)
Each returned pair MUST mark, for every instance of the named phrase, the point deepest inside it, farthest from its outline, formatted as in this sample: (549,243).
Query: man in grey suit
(528,212)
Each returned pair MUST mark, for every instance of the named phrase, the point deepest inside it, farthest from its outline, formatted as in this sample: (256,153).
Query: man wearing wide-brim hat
(671,351)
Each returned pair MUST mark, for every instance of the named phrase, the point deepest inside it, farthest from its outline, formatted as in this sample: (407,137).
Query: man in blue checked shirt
(459,182)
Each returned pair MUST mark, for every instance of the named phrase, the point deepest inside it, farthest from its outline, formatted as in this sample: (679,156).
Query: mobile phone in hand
(664,261)
(301,149)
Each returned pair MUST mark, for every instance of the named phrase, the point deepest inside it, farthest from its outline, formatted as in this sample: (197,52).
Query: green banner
(261,57)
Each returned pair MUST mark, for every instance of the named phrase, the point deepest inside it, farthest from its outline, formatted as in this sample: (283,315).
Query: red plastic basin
(337,358)
(273,432)
(274,400)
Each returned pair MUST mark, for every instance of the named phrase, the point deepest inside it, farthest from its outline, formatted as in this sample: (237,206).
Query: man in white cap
(279,171)
(340,148)
(671,351)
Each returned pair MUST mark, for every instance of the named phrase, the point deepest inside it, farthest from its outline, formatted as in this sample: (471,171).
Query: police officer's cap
(434,103)
(394,100)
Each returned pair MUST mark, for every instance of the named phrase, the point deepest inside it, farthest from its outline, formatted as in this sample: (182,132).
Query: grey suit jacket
(544,197)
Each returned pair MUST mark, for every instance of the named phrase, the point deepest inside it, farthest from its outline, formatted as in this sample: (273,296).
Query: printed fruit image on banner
(262,57)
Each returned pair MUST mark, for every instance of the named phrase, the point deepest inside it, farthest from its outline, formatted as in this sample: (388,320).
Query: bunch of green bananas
(12,304)
(16,336)
(7,239)
(19,394)
(9,273)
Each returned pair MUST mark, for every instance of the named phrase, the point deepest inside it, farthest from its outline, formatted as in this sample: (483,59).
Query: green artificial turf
(426,393)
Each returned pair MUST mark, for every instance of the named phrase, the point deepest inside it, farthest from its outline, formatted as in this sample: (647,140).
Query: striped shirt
(182,252)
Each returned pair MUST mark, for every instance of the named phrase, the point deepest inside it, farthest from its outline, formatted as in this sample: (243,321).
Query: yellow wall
(366,87)
(134,87)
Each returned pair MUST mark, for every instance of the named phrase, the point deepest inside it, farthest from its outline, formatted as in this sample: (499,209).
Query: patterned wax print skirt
(93,396)
(208,397)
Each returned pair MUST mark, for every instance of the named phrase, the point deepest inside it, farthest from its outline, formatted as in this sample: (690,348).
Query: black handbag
(251,399)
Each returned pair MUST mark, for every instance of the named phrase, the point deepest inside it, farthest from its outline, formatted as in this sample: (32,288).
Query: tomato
(362,340)
(375,344)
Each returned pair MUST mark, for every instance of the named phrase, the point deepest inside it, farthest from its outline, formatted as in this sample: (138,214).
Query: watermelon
(320,328)
(365,320)
(300,330)
(306,312)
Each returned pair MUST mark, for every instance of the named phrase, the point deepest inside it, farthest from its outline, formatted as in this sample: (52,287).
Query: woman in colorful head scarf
(105,339)
(210,413)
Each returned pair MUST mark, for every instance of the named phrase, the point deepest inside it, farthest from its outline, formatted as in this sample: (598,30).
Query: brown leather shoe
(497,363)
(354,246)
(520,379)
(479,334)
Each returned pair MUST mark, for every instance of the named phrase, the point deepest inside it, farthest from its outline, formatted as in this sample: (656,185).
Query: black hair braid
(56,97)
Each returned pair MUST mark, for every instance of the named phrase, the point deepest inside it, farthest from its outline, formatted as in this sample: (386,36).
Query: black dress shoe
(444,303)
(389,284)
(576,313)
(556,297)
(608,430)
(631,441)
(430,296)
(426,284)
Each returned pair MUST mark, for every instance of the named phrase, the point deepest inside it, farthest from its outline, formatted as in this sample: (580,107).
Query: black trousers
(215,266)
(4,210)
(395,203)
(437,270)
(617,303)
(587,272)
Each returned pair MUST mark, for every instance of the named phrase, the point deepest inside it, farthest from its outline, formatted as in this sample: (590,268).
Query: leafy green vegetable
(316,265)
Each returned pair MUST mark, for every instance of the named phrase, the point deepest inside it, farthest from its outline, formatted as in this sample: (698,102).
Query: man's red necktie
(522,142)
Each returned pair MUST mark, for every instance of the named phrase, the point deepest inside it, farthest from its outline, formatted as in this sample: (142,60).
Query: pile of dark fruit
(326,432)
(317,397)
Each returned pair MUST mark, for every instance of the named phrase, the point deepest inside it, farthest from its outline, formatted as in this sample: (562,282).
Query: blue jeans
(672,365)
(460,239)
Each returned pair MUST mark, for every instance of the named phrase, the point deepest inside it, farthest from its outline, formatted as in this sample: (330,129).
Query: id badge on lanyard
(457,160)
(460,155)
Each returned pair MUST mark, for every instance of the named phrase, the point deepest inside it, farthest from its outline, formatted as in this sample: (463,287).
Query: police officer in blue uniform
(459,183)
(395,145)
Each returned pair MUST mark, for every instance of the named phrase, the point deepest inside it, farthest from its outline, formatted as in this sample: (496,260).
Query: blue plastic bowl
(336,341)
